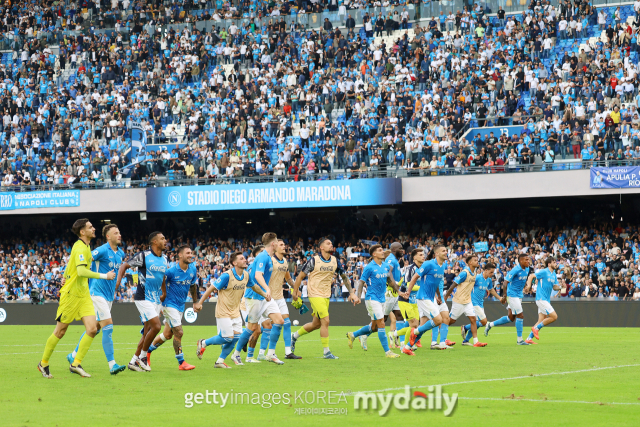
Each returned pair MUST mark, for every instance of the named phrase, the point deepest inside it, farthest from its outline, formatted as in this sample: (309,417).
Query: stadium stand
(234,90)
(599,259)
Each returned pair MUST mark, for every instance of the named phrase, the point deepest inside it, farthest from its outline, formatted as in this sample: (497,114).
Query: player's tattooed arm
(295,293)
(194,293)
(360,286)
(352,297)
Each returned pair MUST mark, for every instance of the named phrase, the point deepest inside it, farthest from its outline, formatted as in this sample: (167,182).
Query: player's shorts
(375,309)
(390,304)
(457,309)
(319,307)
(244,314)
(442,307)
(228,327)
(260,308)
(148,310)
(74,308)
(479,312)
(515,304)
(282,306)
(172,317)
(102,307)
(408,310)
(427,308)
(544,307)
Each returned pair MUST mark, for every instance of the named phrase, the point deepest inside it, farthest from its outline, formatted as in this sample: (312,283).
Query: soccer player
(432,272)
(480,288)
(259,306)
(375,275)
(443,329)
(279,275)
(391,298)
(151,292)
(230,287)
(320,270)
(513,286)
(408,306)
(250,292)
(75,300)
(465,282)
(547,281)
(106,258)
(180,280)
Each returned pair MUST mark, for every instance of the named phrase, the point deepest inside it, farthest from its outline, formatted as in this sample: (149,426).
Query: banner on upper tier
(39,199)
(277,195)
(615,177)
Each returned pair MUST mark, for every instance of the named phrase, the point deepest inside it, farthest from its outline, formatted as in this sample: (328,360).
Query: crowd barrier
(587,313)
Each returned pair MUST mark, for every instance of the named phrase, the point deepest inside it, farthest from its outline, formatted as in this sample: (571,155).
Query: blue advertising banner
(615,177)
(277,195)
(39,199)
(497,131)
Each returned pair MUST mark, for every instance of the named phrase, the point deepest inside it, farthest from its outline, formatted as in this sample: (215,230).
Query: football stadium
(381,203)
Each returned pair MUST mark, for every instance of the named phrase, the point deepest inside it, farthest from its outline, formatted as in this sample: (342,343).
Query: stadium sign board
(279,195)
(39,199)
(615,177)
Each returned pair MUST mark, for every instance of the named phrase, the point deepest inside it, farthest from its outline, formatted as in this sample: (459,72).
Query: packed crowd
(597,260)
(279,99)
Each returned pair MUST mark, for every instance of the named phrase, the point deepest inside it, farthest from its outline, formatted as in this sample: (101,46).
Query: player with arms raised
(320,270)
(106,258)
(180,280)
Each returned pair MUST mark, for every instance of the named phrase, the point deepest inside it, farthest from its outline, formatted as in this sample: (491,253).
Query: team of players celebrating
(254,293)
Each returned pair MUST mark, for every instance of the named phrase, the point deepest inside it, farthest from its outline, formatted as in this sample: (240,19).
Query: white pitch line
(501,379)
(507,399)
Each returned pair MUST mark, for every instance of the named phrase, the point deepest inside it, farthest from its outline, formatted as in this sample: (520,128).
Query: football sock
(264,341)
(287,335)
(51,344)
(434,334)
(501,321)
(276,330)
(217,340)
(382,335)
(85,343)
(424,328)
(519,327)
(180,358)
(302,331)
(244,338)
(250,351)
(444,331)
(325,344)
(365,330)
(107,342)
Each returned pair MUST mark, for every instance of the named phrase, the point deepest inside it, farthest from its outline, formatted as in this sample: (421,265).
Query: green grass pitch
(575,376)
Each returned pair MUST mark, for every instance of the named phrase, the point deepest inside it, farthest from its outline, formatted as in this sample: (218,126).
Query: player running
(513,286)
(260,306)
(320,270)
(465,281)
(547,281)
(409,306)
(106,258)
(230,287)
(391,297)
(480,288)
(151,292)
(375,275)
(180,280)
(432,274)
(443,329)
(75,299)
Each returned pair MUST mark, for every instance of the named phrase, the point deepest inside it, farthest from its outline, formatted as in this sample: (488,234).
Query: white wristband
(103,276)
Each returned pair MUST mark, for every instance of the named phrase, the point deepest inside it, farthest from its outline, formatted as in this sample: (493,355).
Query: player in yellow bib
(75,301)
(320,270)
